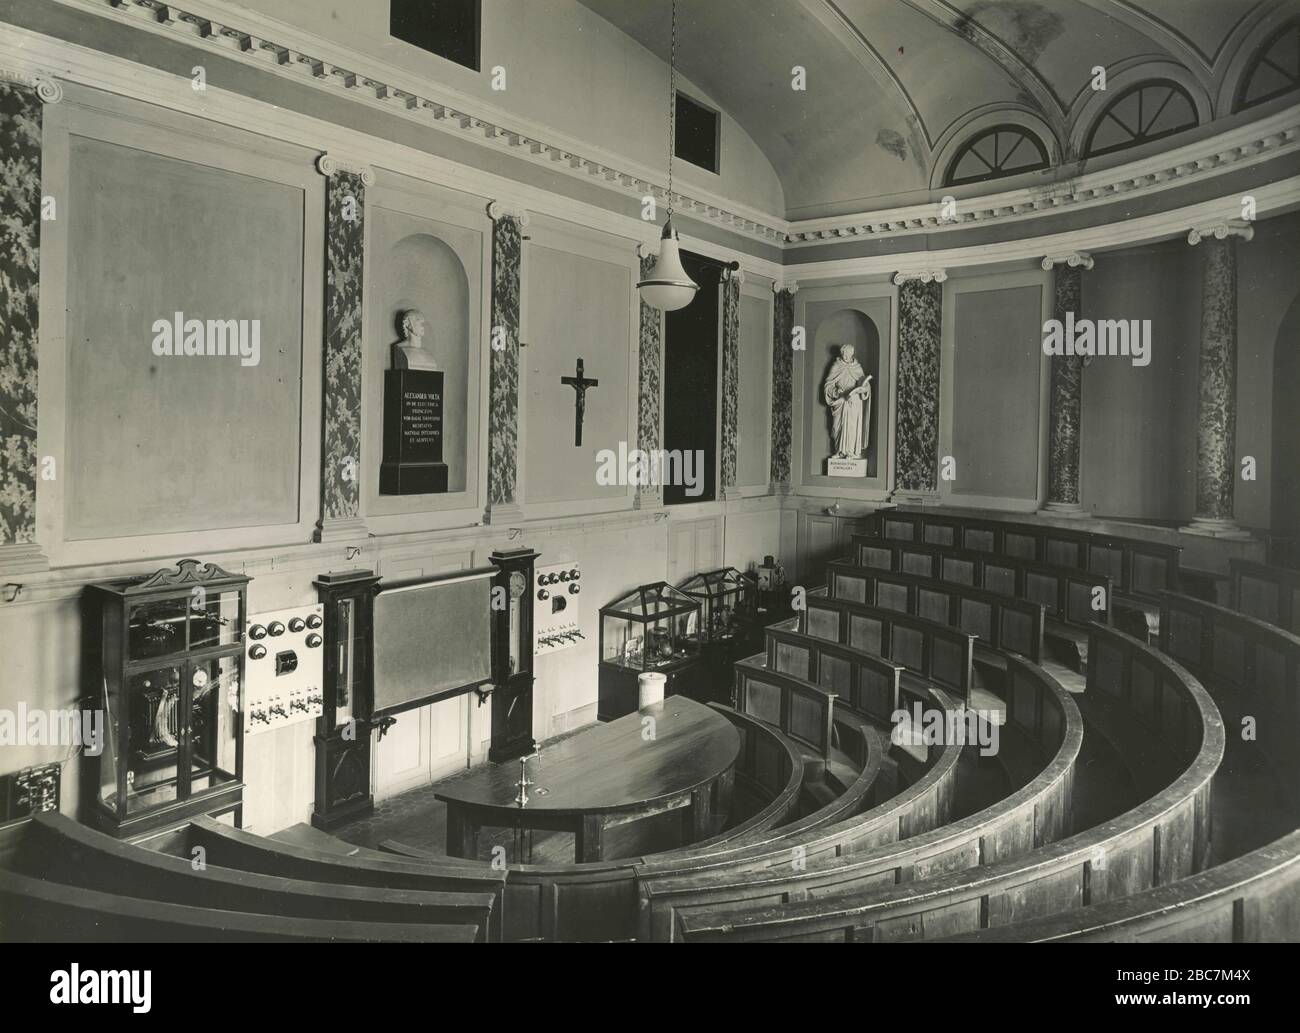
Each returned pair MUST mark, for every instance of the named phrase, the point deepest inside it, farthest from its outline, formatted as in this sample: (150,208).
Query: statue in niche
(409,352)
(847,391)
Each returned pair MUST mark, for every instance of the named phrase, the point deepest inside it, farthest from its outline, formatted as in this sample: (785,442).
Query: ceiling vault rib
(826,12)
(1051,107)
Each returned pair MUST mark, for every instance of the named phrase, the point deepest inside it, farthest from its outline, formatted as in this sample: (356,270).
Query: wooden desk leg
(589,843)
(701,814)
(462,834)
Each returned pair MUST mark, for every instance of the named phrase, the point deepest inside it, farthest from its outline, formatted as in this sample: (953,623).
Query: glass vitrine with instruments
(655,627)
(165,667)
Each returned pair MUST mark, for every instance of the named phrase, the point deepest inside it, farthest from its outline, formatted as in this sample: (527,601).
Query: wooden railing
(1140,567)
(1163,839)
(999,620)
(1068,596)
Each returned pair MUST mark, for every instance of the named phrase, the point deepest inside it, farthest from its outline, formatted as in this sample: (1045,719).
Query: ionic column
(782,389)
(650,363)
(920,321)
(1066,404)
(1216,416)
(503,375)
(732,280)
(345,208)
(22,100)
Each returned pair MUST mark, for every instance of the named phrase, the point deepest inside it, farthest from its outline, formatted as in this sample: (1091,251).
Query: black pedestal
(413,414)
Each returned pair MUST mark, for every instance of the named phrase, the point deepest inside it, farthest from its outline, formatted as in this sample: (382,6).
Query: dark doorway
(691,380)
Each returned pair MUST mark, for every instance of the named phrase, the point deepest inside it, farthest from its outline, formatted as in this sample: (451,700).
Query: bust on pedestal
(412,415)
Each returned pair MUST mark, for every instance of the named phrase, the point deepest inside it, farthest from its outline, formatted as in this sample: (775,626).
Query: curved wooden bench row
(1000,620)
(1142,568)
(35,911)
(1251,668)
(1270,594)
(943,654)
(60,851)
(868,856)
(1066,594)
(1163,839)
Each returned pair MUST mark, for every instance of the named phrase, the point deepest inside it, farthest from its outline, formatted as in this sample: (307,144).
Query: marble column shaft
(20,236)
(1216,424)
(1066,396)
(730,376)
(782,387)
(649,361)
(920,317)
(503,411)
(344,275)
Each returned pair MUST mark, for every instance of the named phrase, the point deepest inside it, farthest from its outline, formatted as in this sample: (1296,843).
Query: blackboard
(433,638)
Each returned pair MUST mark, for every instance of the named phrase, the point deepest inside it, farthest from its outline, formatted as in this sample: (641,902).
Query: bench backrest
(1002,621)
(1140,567)
(1270,594)
(934,650)
(870,684)
(803,711)
(1068,595)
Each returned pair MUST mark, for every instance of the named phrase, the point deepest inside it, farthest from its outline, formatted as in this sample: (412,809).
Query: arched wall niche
(436,266)
(831,324)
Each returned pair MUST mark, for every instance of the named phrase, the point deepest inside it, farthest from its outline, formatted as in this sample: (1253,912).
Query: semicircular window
(1001,151)
(1142,113)
(1275,71)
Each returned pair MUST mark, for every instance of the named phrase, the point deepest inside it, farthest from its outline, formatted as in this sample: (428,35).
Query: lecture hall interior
(649,470)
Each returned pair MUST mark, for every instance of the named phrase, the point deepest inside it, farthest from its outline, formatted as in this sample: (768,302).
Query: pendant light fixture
(669,287)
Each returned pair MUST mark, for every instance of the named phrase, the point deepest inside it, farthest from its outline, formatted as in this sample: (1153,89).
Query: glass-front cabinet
(653,628)
(165,664)
(727,602)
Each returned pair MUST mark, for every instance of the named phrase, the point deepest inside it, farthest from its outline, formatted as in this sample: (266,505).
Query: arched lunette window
(1005,150)
(1142,113)
(1275,70)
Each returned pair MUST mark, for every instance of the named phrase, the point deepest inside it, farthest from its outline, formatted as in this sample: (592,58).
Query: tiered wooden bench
(1271,594)
(1163,839)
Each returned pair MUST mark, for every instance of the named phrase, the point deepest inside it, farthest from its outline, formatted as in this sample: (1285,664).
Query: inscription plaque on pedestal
(412,434)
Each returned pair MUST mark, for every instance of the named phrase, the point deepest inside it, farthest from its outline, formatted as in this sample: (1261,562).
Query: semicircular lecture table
(604,775)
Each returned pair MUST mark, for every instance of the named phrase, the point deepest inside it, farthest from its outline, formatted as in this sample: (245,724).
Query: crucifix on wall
(579,385)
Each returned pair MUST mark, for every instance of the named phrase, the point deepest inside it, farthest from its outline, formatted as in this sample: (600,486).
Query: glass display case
(727,601)
(165,657)
(653,628)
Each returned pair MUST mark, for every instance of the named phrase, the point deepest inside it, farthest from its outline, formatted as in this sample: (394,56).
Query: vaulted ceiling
(891,84)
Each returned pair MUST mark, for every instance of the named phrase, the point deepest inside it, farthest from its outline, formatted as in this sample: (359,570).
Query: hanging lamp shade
(668,287)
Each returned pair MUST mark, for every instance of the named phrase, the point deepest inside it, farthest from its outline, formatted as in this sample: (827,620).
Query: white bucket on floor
(650,686)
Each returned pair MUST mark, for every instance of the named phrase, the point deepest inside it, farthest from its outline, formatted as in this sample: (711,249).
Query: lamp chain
(672,107)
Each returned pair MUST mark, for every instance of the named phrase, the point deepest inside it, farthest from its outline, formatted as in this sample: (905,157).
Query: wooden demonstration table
(605,775)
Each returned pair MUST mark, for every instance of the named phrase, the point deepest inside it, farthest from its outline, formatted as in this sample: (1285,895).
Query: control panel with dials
(285,667)
(556,591)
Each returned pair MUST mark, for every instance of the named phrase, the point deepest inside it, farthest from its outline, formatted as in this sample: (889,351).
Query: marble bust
(409,352)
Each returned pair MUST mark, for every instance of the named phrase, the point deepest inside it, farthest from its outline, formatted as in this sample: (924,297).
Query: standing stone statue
(409,353)
(848,393)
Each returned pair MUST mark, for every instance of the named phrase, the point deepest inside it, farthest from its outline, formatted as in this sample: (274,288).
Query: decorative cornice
(328,165)
(921,276)
(1074,259)
(291,52)
(1221,231)
(496,210)
(46,86)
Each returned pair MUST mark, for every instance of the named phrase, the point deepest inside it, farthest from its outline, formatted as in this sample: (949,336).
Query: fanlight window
(1276,70)
(1146,112)
(1000,151)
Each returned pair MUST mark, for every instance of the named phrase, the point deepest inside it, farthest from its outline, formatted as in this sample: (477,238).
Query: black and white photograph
(651,471)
